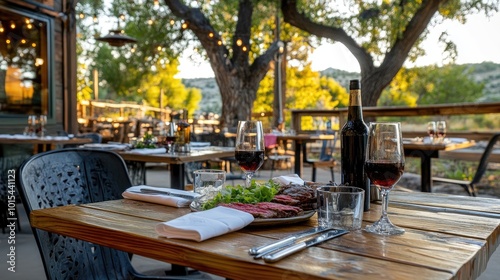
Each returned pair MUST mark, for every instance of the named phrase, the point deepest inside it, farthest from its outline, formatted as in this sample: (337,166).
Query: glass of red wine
(431,131)
(441,130)
(385,162)
(249,148)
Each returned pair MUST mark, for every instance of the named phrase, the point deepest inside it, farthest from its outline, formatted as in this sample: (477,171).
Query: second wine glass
(385,162)
(249,150)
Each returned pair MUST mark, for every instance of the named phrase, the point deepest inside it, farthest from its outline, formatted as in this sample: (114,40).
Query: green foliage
(431,85)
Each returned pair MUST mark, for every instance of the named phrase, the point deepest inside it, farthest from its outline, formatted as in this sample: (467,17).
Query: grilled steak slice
(266,210)
(281,210)
(251,209)
(304,194)
(285,199)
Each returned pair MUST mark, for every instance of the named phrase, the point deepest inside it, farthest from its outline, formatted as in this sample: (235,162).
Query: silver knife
(151,191)
(262,250)
(276,256)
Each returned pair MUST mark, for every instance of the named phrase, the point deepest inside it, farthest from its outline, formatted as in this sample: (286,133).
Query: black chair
(76,176)
(326,157)
(470,186)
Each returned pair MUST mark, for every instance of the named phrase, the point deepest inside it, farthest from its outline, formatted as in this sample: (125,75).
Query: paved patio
(29,266)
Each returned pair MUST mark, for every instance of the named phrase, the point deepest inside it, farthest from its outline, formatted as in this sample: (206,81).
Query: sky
(477,41)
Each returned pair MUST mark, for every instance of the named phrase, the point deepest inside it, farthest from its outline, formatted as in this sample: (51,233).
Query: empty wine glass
(249,150)
(441,130)
(431,130)
(384,166)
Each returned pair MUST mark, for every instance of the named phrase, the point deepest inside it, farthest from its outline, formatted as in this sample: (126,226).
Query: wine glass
(441,130)
(249,150)
(431,130)
(384,166)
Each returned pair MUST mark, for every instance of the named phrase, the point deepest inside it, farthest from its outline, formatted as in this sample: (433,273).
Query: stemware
(42,123)
(441,130)
(384,166)
(249,148)
(431,130)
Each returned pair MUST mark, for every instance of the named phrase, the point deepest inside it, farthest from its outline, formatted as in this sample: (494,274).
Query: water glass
(207,183)
(340,207)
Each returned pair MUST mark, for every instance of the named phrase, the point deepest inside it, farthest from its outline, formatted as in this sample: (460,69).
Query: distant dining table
(299,142)
(447,237)
(42,144)
(427,151)
(177,160)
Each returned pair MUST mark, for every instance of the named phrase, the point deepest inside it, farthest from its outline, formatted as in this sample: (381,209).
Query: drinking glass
(431,130)
(441,130)
(42,123)
(384,166)
(249,148)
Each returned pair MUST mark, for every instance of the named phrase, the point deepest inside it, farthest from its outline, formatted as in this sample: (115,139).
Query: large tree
(239,64)
(381,34)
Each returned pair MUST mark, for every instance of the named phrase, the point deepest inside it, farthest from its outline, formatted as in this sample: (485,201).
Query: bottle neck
(355,109)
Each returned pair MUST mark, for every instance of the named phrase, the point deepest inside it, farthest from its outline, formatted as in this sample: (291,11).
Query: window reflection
(23,65)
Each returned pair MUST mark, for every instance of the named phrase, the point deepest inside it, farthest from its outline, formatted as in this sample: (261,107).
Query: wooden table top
(49,140)
(201,154)
(436,245)
(438,146)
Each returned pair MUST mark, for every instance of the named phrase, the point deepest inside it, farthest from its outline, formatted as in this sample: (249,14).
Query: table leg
(177,173)
(426,176)
(299,157)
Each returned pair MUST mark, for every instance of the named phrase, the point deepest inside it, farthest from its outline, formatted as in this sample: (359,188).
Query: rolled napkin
(149,151)
(159,198)
(289,179)
(199,226)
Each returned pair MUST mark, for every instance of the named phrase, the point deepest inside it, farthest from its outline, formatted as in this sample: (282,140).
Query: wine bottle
(353,141)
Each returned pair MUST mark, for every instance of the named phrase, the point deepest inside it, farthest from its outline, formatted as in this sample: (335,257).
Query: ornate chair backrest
(74,176)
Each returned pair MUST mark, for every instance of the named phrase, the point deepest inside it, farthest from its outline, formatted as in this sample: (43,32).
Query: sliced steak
(281,210)
(251,209)
(285,199)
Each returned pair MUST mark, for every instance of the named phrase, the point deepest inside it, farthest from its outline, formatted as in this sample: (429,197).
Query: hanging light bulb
(95,19)
(122,16)
(82,15)
(1,28)
(239,42)
(156,3)
(12,25)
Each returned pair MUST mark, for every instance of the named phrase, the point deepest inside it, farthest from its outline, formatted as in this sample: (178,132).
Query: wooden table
(427,151)
(437,244)
(177,160)
(299,144)
(43,144)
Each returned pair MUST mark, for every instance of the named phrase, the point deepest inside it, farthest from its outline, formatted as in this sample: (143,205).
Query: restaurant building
(37,64)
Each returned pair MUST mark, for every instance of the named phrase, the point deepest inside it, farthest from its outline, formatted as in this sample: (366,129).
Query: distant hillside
(486,72)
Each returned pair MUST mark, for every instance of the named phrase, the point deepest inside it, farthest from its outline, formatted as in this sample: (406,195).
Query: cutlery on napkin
(164,196)
(199,226)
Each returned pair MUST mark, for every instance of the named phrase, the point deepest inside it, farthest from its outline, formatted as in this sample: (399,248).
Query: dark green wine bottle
(353,141)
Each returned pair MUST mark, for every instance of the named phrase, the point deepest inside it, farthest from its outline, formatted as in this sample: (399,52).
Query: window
(25,61)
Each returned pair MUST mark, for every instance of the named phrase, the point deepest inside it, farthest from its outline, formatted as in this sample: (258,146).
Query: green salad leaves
(256,192)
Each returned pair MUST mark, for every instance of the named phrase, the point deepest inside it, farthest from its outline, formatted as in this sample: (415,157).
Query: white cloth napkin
(149,151)
(199,226)
(287,179)
(134,193)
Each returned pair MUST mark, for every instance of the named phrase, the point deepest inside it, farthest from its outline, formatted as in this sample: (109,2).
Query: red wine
(353,140)
(249,161)
(384,173)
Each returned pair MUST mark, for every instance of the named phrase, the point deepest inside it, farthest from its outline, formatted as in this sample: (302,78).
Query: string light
(29,26)
(219,42)
(33,45)
(150,22)
(239,42)
(82,15)
(23,41)
(184,25)
(172,22)
(158,48)
(12,25)
(95,19)
(122,16)
(7,41)
(156,3)
(244,48)
(211,34)
(1,28)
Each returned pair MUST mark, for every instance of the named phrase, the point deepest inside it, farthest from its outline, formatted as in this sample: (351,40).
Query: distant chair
(326,157)
(275,153)
(76,176)
(470,186)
